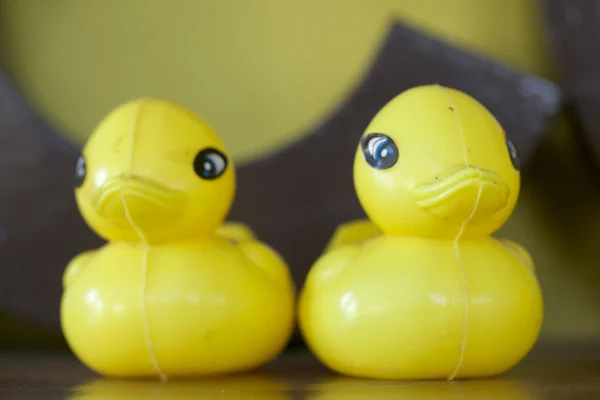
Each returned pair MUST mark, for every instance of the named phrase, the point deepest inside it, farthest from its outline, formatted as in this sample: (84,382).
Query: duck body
(188,308)
(176,291)
(421,290)
(397,308)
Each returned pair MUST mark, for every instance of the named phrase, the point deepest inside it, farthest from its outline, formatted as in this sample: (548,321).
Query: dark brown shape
(40,226)
(574,32)
(293,200)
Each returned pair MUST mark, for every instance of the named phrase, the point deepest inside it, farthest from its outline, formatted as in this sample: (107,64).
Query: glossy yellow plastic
(433,296)
(234,387)
(360,389)
(175,292)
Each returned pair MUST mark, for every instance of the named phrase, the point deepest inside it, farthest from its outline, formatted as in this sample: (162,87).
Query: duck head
(152,171)
(435,162)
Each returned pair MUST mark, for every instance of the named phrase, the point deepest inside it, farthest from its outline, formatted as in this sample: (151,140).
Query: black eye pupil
(379,150)
(210,163)
(514,154)
(80,172)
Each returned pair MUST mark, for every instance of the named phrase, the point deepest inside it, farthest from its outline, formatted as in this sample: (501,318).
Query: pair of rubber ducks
(419,291)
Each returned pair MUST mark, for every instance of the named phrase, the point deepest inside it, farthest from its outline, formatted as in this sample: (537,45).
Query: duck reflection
(232,387)
(357,389)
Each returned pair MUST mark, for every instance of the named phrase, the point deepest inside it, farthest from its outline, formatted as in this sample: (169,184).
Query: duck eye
(514,154)
(80,172)
(379,150)
(210,164)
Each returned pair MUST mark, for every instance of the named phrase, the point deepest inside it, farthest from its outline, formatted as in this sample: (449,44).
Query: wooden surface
(551,371)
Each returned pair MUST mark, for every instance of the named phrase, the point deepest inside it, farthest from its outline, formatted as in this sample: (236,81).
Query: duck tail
(519,251)
(353,232)
(75,266)
(235,231)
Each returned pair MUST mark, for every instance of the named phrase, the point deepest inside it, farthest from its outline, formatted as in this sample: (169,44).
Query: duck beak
(466,194)
(133,199)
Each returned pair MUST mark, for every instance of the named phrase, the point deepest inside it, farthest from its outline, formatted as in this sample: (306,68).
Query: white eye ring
(218,162)
(373,143)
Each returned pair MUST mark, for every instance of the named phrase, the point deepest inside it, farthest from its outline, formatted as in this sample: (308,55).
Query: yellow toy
(175,292)
(426,293)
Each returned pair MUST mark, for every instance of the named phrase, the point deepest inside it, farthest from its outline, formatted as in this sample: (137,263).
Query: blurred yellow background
(265,71)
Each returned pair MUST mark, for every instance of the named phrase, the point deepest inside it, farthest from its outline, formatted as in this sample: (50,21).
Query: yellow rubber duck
(423,291)
(175,292)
